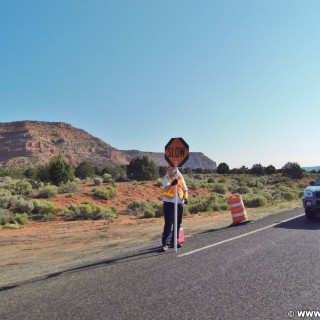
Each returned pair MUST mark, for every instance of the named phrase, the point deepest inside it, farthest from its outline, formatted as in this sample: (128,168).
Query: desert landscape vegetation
(56,213)
(66,196)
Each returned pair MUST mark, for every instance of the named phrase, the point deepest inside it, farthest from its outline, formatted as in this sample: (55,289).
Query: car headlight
(308,194)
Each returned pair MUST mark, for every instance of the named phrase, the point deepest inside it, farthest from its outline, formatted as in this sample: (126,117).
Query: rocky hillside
(196,159)
(30,143)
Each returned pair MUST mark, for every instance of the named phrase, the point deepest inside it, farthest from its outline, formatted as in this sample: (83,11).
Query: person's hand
(174,182)
(185,201)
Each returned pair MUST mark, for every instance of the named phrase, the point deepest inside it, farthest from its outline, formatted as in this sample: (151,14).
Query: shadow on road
(138,256)
(300,223)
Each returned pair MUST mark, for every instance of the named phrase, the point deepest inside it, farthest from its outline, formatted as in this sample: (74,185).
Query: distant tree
(270,169)
(223,168)
(118,173)
(257,169)
(84,170)
(162,170)
(188,170)
(30,173)
(199,170)
(42,173)
(292,170)
(142,169)
(60,171)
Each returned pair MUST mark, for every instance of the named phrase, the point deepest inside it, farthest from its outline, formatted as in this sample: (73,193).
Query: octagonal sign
(176,152)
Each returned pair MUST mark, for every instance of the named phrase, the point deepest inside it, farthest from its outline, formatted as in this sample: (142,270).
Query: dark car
(311,199)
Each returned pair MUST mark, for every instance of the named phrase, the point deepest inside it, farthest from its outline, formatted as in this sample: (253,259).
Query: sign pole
(176,212)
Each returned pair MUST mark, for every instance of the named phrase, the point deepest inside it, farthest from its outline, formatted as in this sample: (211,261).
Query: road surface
(267,269)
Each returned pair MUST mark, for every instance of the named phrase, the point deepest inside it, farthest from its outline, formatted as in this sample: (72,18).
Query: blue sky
(239,80)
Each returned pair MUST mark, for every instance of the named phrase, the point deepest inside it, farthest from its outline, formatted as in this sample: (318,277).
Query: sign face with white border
(176,152)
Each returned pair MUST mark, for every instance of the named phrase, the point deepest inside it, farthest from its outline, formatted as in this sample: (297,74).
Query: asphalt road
(271,268)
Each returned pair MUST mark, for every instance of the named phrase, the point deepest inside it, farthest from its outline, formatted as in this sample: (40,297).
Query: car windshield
(317,182)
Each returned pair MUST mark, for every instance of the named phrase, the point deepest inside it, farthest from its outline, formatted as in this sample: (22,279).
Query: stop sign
(176,152)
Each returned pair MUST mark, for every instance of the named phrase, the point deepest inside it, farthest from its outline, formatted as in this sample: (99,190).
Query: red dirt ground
(60,240)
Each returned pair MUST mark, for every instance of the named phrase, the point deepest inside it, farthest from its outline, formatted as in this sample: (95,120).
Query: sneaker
(165,248)
(179,245)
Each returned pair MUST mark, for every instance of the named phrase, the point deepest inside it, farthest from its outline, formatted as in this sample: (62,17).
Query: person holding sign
(172,178)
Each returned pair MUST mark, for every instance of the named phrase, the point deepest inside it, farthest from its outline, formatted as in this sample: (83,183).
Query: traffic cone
(238,210)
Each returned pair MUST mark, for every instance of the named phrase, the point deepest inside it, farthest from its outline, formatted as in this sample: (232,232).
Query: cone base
(233,224)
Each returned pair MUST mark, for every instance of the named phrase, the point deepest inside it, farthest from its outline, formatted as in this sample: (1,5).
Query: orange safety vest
(170,193)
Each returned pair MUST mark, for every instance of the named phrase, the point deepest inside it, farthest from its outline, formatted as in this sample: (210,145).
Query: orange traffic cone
(238,210)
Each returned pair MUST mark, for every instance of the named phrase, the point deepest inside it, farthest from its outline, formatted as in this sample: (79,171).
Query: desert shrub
(152,209)
(258,183)
(88,211)
(5,192)
(213,202)
(69,187)
(107,178)
(289,195)
(5,201)
(4,219)
(193,185)
(44,207)
(223,206)
(210,180)
(97,181)
(134,207)
(21,218)
(110,212)
(158,182)
(253,201)
(105,194)
(24,205)
(145,209)
(21,187)
(219,188)
(48,191)
(148,211)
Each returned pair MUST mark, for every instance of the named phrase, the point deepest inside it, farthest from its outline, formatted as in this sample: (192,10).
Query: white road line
(237,237)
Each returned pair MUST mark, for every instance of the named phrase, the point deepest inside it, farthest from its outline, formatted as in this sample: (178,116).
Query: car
(311,200)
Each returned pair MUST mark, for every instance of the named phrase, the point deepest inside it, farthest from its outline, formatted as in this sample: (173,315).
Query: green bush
(97,181)
(44,207)
(289,195)
(142,169)
(88,211)
(4,219)
(69,187)
(219,188)
(21,219)
(48,191)
(21,187)
(158,182)
(5,201)
(24,205)
(254,201)
(107,178)
(134,207)
(105,194)
(213,202)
